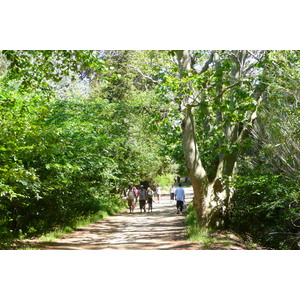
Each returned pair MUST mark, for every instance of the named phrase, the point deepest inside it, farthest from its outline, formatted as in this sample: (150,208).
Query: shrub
(267,208)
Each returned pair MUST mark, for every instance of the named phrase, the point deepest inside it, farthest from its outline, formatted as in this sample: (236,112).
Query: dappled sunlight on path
(160,229)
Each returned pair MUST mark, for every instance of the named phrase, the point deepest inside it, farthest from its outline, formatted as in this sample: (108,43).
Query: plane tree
(217,94)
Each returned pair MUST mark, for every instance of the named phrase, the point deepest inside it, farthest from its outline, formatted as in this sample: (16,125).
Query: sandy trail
(160,229)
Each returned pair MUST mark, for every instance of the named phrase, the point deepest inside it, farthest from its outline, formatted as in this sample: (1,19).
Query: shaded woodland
(78,126)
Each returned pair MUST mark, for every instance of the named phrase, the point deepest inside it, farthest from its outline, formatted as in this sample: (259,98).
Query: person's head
(142,186)
(148,189)
(180,184)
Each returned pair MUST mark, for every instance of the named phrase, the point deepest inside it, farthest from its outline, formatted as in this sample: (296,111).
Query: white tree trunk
(211,200)
(194,166)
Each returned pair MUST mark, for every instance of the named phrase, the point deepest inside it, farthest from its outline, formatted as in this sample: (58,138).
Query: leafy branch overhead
(37,69)
(78,126)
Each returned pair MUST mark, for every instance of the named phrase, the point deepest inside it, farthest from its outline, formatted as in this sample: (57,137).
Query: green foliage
(37,69)
(137,113)
(191,218)
(165,181)
(68,146)
(82,221)
(68,158)
(276,131)
(267,202)
(58,163)
(221,99)
(195,232)
(266,206)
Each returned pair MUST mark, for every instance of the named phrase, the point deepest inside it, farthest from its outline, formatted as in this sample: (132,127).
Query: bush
(266,207)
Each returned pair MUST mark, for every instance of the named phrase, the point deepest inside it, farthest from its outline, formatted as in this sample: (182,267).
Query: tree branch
(254,56)
(208,62)
(145,76)
(251,120)
(227,88)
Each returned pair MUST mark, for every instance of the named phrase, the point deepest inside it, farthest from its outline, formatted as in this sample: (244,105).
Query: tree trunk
(202,189)
(211,200)
(194,166)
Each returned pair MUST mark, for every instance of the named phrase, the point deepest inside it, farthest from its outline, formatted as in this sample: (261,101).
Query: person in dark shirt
(142,198)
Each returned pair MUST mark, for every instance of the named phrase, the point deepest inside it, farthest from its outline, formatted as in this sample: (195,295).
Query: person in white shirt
(130,198)
(149,199)
(158,192)
(180,197)
(172,192)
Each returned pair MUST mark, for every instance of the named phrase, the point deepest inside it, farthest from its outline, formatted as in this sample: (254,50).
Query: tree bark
(210,199)
(194,166)
(197,173)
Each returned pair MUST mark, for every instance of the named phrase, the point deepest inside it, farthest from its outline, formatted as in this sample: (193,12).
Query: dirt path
(162,229)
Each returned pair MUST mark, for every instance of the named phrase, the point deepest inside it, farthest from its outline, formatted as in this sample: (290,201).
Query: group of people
(146,196)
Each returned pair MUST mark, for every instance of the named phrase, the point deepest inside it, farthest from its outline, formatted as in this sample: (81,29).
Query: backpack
(130,195)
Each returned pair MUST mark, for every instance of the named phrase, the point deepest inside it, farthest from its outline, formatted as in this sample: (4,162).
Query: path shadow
(159,229)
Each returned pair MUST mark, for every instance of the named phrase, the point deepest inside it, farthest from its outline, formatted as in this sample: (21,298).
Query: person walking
(130,198)
(136,194)
(172,192)
(142,198)
(180,197)
(158,192)
(150,198)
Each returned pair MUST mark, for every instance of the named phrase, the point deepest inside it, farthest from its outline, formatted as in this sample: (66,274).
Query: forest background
(79,126)
(225,25)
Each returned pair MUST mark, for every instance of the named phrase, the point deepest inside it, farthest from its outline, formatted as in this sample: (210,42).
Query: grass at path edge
(52,236)
(209,238)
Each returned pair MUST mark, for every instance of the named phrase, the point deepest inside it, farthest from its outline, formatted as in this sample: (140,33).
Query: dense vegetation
(71,146)
(78,126)
(267,202)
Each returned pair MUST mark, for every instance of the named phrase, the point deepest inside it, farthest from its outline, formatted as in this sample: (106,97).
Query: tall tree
(220,91)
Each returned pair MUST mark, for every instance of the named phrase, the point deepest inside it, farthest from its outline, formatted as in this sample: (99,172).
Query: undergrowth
(195,232)
(210,238)
(60,231)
